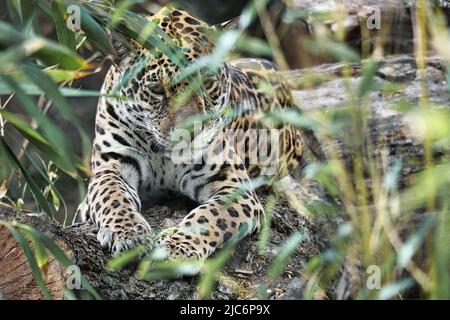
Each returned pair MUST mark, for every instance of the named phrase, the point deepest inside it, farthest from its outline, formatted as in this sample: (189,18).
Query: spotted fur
(130,151)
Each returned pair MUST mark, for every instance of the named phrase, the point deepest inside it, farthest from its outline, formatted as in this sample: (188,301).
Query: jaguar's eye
(157,89)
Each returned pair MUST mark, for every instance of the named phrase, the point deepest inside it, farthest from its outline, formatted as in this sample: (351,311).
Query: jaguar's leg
(113,205)
(82,213)
(229,208)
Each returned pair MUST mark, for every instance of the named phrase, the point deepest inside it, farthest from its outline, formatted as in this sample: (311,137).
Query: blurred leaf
(55,200)
(96,35)
(409,248)
(254,46)
(159,270)
(38,166)
(284,254)
(324,173)
(266,224)
(339,51)
(6,167)
(31,183)
(392,290)
(9,36)
(213,267)
(441,255)
(53,134)
(3,184)
(54,54)
(433,122)
(11,56)
(65,35)
(125,258)
(120,10)
(39,251)
(448,76)
(60,75)
(30,257)
(291,117)
(367,80)
(43,49)
(390,180)
(323,208)
(427,183)
(24,9)
(32,135)
(52,93)
(31,89)
(262,291)
(150,36)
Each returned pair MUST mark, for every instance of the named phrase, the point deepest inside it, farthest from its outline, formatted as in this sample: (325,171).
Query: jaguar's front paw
(175,245)
(171,246)
(122,234)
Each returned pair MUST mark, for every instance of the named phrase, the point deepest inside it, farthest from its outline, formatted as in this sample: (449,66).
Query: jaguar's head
(174,85)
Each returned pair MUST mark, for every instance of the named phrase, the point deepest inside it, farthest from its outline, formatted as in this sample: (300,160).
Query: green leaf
(441,255)
(391,178)
(158,270)
(213,267)
(52,92)
(11,56)
(31,89)
(293,117)
(120,261)
(39,251)
(31,183)
(266,224)
(393,289)
(60,75)
(24,9)
(53,134)
(339,51)
(54,54)
(120,10)
(65,35)
(254,46)
(409,248)
(151,37)
(48,51)
(283,256)
(367,79)
(31,135)
(96,35)
(6,166)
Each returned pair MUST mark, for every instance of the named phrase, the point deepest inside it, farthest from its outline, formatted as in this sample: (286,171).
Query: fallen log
(240,279)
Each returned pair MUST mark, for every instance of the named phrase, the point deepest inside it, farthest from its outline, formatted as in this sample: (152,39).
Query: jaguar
(148,98)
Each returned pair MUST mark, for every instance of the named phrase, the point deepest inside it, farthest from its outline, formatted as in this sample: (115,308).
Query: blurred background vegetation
(49,85)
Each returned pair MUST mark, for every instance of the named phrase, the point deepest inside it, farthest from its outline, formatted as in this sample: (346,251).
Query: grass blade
(286,251)
(30,181)
(31,259)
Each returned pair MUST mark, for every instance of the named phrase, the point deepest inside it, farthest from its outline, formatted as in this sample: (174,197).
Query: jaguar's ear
(229,25)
